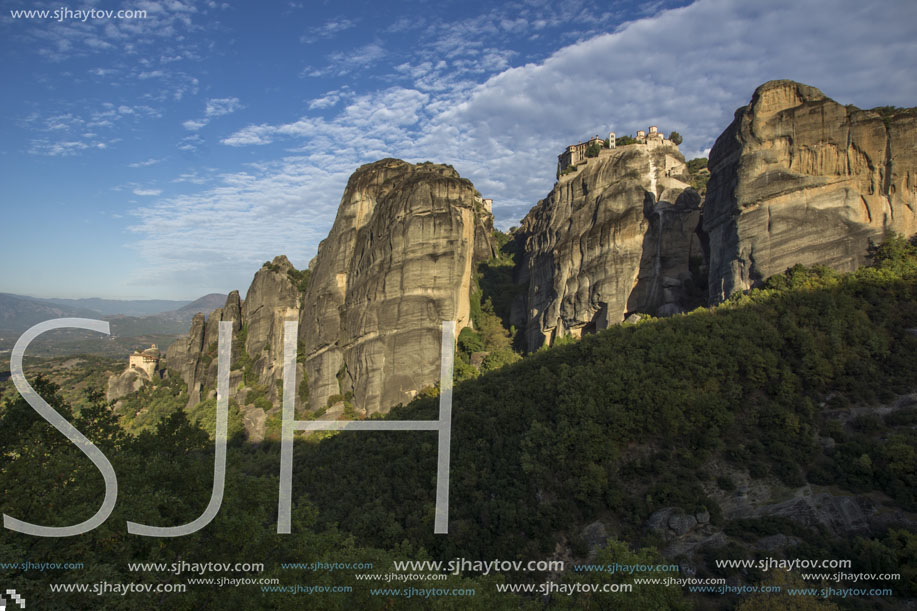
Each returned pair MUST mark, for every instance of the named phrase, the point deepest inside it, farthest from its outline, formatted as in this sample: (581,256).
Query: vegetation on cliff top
(699,175)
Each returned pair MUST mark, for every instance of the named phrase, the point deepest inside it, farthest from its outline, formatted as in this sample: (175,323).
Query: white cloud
(69,145)
(63,122)
(220,236)
(192,177)
(329,99)
(190,143)
(405,24)
(217,107)
(144,164)
(327,30)
(147,192)
(381,115)
(341,63)
(64,148)
(61,41)
(194,125)
(67,134)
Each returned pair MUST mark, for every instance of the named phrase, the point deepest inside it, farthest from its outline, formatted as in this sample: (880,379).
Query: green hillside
(803,382)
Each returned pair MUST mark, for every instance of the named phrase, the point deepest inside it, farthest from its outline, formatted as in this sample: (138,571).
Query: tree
(895,253)
(783,599)
(593,150)
(676,138)
(617,553)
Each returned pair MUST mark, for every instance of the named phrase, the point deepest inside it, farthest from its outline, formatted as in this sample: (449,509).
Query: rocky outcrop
(194,356)
(272,298)
(618,236)
(841,515)
(398,261)
(184,356)
(142,367)
(799,178)
(682,532)
(124,383)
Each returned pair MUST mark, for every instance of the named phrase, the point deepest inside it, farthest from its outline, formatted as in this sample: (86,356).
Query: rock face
(272,298)
(799,178)
(398,261)
(194,356)
(124,383)
(184,356)
(840,515)
(618,236)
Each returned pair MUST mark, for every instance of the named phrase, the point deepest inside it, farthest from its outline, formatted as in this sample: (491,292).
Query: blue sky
(168,157)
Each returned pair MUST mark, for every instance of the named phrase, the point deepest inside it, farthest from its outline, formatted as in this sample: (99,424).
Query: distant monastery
(485,203)
(146,361)
(576,153)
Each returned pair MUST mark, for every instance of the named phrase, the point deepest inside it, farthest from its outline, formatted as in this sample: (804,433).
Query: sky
(168,155)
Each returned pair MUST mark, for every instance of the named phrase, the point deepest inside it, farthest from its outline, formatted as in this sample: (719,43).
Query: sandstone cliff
(398,261)
(618,236)
(799,178)
(271,299)
(257,348)
(124,383)
(796,178)
(194,356)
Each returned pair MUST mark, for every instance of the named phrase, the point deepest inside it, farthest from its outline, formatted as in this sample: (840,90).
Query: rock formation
(799,178)
(142,367)
(271,299)
(796,178)
(398,261)
(194,356)
(618,236)
(184,356)
(257,347)
(124,383)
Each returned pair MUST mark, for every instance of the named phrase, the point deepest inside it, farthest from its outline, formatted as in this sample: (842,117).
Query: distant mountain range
(138,307)
(141,320)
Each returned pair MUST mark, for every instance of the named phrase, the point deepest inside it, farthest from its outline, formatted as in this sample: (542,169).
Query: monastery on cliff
(576,153)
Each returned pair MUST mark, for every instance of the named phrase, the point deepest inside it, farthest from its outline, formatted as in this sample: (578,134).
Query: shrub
(264,403)
(470,341)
